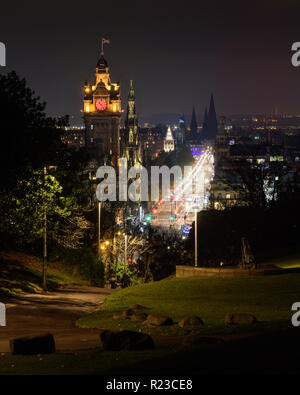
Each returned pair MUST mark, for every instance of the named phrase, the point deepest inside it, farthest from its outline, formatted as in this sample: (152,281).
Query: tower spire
(204,125)
(193,124)
(212,124)
(131,141)
(212,110)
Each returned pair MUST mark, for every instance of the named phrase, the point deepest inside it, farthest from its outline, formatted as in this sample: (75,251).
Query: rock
(198,339)
(157,320)
(38,344)
(126,314)
(191,321)
(137,307)
(138,317)
(130,314)
(239,319)
(125,340)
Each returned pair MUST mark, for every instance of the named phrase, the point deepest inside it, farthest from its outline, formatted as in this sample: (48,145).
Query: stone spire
(212,123)
(131,140)
(193,124)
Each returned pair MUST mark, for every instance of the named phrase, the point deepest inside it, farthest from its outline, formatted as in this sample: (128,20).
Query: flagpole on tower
(104,41)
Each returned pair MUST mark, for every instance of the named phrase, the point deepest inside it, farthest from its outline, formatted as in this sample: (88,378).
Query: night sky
(177,53)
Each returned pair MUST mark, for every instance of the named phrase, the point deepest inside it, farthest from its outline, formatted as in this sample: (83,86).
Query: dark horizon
(175,56)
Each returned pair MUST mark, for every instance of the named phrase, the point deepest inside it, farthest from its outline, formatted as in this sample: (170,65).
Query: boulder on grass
(239,319)
(30,345)
(138,317)
(130,314)
(126,314)
(125,340)
(158,320)
(190,322)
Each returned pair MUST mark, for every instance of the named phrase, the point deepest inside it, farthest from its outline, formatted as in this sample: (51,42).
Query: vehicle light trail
(191,192)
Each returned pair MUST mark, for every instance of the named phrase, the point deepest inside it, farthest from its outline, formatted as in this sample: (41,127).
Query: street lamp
(196,240)
(99,228)
(125,254)
(45,241)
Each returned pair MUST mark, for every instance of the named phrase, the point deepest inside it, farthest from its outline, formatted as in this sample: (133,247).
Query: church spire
(193,124)
(212,124)
(212,111)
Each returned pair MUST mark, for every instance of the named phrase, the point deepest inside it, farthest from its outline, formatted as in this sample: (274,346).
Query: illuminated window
(227,195)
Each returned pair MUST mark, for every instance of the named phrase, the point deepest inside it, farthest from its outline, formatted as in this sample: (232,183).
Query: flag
(104,41)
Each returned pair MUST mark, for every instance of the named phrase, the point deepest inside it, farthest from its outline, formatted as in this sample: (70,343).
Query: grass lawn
(20,272)
(289,262)
(271,349)
(269,298)
(90,363)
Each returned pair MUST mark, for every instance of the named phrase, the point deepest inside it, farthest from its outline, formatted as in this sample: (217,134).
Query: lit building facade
(102,114)
(169,144)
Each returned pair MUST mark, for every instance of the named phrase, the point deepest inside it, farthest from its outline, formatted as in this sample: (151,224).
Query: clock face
(101,104)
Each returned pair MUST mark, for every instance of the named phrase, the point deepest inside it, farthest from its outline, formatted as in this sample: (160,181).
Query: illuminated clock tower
(102,114)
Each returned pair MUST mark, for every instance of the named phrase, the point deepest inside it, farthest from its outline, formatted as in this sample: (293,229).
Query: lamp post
(99,228)
(196,240)
(45,241)
(125,254)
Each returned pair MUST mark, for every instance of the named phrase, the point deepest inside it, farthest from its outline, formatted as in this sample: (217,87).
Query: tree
(32,203)
(29,139)
(35,208)
(257,184)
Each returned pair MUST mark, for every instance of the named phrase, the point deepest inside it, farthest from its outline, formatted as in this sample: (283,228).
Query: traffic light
(148,218)
(171,218)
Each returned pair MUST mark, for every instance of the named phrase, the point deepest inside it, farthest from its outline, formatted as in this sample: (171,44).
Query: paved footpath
(54,312)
